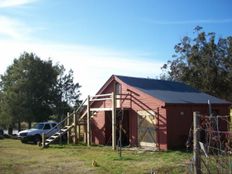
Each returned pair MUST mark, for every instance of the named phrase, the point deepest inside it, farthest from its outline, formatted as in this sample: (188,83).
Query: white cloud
(92,66)
(13,28)
(14,3)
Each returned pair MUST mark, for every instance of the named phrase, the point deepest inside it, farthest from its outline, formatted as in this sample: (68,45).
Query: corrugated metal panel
(170,91)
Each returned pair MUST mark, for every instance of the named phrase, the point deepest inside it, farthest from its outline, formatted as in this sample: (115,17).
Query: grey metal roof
(170,91)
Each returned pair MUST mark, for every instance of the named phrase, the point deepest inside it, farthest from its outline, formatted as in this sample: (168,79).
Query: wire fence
(214,145)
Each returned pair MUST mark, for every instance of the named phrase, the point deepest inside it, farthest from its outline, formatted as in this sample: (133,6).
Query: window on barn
(118,92)
(118,89)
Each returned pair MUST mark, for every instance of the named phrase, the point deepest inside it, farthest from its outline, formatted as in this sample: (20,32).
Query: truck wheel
(37,139)
(23,141)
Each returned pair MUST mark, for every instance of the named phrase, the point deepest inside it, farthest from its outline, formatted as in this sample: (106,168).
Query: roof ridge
(148,78)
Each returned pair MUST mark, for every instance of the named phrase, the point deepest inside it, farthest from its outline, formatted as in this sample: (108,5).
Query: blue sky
(97,38)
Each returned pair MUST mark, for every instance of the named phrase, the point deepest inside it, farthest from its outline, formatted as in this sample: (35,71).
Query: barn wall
(139,101)
(133,133)
(135,101)
(98,123)
(179,121)
(98,128)
(174,121)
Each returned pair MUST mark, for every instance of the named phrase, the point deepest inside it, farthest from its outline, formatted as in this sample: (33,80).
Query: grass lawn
(18,158)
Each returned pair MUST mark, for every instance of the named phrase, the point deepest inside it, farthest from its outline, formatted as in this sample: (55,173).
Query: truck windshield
(38,126)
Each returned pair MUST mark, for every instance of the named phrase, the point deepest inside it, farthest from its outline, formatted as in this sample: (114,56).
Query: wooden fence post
(68,132)
(75,127)
(196,148)
(43,140)
(113,122)
(88,121)
(79,132)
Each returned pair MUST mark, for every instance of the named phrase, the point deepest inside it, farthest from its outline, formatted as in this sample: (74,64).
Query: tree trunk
(10,129)
(19,125)
(29,124)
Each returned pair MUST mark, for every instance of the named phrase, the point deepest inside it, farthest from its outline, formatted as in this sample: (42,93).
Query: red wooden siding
(179,121)
(135,101)
(133,128)
(141,101)
(98,128)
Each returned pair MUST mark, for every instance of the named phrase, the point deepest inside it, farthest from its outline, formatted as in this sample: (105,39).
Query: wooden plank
(79,132)
(230,119)
(100,99)
(75,128)
(113,122)
(83,115)
(101,109)
(88,121)
(196,149)
(118,101)
(102,95)
(147,144)
(43,140)
(68,132)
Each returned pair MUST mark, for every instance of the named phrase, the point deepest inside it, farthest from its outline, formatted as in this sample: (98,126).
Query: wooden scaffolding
(74,120)
(102,97)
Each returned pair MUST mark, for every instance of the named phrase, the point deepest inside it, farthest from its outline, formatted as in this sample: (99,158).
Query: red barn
(153,113)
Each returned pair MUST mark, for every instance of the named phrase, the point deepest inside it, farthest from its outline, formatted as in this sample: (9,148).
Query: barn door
(147,129)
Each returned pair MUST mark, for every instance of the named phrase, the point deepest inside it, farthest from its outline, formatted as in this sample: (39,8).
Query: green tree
(67,92)
(4,120)
(31,89)
(204,62)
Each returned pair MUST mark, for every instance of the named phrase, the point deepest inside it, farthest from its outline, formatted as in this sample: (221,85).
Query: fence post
(75,127)
(88,121)
(43,140)
(196,148)
(113,121)
(68,132)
